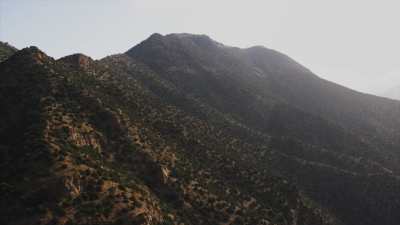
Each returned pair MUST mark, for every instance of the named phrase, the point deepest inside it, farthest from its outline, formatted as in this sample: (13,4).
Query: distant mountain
(182,129)
(393,93)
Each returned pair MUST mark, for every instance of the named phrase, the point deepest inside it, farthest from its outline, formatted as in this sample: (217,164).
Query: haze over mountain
(182,129)
(393,93)
(352,43)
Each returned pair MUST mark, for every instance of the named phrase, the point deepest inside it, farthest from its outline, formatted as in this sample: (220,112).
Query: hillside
(331,132)
(182,129)
(6,50)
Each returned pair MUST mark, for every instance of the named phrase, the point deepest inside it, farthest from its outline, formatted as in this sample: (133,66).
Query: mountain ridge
(189,130)
(6,50)
(393,93)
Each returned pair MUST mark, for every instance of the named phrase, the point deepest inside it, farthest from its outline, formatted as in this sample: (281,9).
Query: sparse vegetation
(172,132)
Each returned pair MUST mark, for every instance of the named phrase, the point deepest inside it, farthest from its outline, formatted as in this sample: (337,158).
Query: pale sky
(352,42)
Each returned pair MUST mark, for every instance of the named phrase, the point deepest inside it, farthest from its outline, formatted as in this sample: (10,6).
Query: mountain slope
(254,85)
(6,51)
(54,166)
(182,129)
(329,126)
(94,145)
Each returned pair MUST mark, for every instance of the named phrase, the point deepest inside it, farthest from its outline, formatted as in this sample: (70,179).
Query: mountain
(393,93)
(182,129)
(6,50)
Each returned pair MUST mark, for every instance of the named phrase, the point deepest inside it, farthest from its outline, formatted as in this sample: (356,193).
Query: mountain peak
(77,61)
(188,35)
(175,44)
(201,40)
(33,53)
(155,35)
(180,35)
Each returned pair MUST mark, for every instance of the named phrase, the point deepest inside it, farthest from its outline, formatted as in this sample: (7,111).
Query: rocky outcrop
(77,61)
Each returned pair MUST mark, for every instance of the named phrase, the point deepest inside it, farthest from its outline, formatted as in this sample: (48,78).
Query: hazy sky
(352,42)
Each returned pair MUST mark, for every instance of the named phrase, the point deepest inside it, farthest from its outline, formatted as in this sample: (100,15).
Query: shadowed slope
(182,129)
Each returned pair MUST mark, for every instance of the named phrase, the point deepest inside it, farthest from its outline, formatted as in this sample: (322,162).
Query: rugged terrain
(6,50)
(181,129)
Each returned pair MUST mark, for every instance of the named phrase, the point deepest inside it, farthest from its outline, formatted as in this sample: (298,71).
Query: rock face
(182,129)
(77,61)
